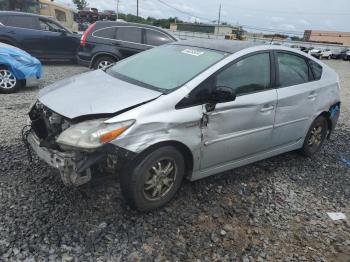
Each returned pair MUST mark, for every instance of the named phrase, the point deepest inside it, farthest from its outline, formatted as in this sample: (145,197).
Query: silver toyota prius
(187,109)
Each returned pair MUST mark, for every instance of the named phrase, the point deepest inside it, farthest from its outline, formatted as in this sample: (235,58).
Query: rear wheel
(104,62)
(153,180)
(8,82)
(315,136)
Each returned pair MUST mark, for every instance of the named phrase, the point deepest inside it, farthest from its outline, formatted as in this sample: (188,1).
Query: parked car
(17,69)
(315,52)
(187,109)
(40,36)
(336,53)
(346,55)
(106,42)
(326,53)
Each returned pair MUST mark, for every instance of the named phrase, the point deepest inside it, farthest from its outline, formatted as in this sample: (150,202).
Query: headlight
(92,134)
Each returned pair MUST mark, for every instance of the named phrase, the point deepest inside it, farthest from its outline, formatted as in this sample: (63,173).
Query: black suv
(106,42)
(40,36)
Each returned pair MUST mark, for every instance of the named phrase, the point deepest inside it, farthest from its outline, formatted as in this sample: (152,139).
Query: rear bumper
(83,62)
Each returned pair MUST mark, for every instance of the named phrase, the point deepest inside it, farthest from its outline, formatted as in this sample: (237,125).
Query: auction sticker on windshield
(192,52)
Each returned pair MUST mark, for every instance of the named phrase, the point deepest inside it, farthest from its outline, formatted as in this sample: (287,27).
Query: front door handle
(267,109)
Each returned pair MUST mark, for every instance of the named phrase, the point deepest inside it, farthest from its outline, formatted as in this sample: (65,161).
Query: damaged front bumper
(74,167)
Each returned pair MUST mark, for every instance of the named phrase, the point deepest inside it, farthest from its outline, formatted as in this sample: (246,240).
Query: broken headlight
(92,134)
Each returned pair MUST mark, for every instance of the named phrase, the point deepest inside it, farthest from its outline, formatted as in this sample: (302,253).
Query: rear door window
(293,70)
(316,69)
(105,33)
(156,38)
(129,34)
(28,22)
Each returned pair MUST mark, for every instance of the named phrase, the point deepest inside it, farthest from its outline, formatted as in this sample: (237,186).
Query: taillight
(86,34)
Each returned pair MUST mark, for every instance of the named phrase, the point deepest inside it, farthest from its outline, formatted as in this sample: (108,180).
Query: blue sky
(296,15)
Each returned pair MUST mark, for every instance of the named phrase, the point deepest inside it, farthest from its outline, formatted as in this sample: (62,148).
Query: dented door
(238,129)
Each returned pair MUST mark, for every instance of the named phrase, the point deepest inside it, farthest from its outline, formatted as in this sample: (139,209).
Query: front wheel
(8,81)
(154,179)
(315,136)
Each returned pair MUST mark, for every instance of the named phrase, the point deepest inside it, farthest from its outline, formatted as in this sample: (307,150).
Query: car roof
(226,46)
(18,13)
(114,23)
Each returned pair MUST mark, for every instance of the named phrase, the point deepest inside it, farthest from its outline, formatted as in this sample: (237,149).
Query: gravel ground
(274,210)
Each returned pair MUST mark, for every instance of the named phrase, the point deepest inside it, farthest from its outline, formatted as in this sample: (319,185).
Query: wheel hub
(315,136)
(161,178)
(104,64)
(7,79)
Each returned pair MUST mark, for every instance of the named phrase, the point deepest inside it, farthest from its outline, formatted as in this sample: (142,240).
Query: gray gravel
(274,210)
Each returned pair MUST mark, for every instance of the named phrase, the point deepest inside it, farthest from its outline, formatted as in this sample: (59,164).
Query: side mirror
(62,31)
(222,94)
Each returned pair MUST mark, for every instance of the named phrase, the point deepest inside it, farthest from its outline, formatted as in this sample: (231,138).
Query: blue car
(17,69)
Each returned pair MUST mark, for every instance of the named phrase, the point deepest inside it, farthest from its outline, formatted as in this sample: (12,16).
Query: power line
(184,12)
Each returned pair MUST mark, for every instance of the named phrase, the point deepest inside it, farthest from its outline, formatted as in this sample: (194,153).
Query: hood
(93,93)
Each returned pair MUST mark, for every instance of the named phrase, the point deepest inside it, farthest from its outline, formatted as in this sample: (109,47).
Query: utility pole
(219,20)
(117,10)
(137,11)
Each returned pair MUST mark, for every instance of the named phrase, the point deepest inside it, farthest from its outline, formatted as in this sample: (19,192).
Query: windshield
(167,67)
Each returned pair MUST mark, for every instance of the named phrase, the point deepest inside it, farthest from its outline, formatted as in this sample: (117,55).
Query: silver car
(187,109)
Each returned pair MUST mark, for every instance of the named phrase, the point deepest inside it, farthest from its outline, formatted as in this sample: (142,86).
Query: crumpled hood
(93,93)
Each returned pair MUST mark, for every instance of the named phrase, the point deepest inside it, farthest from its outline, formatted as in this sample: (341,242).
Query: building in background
(31,6)
(328,37)
(204,28)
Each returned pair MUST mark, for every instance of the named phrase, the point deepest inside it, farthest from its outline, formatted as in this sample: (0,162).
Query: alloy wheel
(315,136)
(160,180)
(7,79)
(104,64)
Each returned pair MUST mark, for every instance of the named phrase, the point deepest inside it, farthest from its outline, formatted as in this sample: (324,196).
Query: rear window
(129,34)
(105,32)
(156,38)
(316,69)
(23,22)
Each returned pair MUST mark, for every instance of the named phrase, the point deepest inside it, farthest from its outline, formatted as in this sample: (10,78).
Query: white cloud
(300,14)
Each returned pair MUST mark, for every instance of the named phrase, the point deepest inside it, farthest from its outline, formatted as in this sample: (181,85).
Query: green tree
(81,4)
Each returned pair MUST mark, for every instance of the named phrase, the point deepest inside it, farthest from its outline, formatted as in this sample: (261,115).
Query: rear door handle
(267,109)
(116,43)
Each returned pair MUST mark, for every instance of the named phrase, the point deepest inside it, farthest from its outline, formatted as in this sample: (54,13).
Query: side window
(156,38)
(27,22)
(293,70)
(316,69)
(60,15)
(129,34)
(249,75)
(105,33)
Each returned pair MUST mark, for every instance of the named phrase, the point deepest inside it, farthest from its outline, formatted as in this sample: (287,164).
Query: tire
(315,137)
(8,81)
(106,60)
(139,181)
